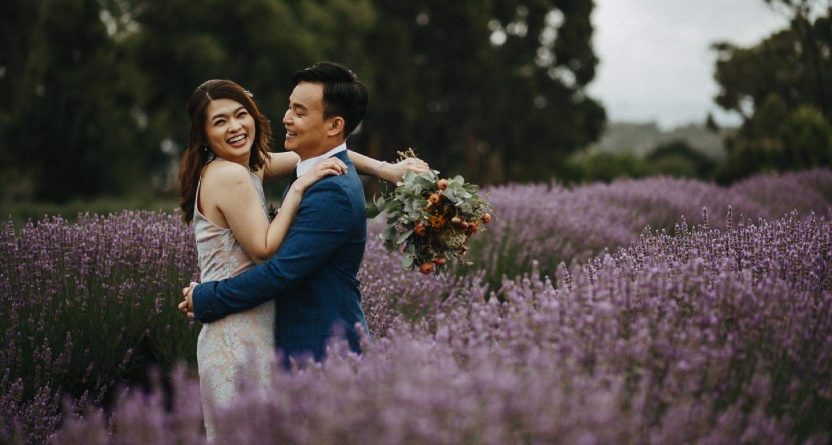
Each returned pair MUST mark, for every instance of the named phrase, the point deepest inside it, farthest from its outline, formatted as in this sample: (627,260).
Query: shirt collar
(308,164)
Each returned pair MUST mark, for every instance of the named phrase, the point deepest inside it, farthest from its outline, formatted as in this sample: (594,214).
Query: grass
(22,212)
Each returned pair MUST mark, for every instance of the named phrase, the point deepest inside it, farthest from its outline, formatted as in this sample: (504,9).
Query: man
(312,277)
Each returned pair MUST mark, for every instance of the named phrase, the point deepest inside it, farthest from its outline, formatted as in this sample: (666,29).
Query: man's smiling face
(306,128)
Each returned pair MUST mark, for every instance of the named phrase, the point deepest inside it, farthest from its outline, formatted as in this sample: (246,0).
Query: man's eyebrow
(298,105)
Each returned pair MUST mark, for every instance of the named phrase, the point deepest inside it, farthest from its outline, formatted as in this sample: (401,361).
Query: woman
(221,192)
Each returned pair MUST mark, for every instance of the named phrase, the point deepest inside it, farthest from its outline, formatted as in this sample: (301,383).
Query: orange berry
(434,198)
(436,222)
(486,218)
(426,268)
(440,261)
(420,230)
(443,184)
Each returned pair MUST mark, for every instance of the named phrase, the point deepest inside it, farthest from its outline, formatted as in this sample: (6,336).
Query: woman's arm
(238,201)
(281,165)
(389,172)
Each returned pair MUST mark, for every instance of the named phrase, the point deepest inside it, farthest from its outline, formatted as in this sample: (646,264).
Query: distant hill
(641,138)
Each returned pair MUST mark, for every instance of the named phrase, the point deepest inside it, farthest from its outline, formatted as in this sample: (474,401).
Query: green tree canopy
(70,102)
(678,159)
(493,90)
(94,91)
(772,85)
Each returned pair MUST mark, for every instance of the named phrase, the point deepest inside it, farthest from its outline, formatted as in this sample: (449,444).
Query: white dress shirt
(306,165)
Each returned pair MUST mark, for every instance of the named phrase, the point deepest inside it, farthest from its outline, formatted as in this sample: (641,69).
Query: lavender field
(605,313)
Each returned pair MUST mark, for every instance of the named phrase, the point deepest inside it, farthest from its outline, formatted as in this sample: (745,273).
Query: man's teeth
(236,139)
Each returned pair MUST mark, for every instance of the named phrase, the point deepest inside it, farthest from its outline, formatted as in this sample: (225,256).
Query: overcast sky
(655,61)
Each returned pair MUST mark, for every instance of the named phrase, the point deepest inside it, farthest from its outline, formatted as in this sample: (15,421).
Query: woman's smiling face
(230,130)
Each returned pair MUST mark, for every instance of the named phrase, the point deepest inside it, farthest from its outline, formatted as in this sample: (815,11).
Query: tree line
(92,92)
(780,87)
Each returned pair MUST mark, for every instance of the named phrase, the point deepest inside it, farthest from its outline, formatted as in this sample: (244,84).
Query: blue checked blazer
(312,277)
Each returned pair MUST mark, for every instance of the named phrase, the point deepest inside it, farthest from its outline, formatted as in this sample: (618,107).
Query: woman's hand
(327,167)
(395,172)
(187,306)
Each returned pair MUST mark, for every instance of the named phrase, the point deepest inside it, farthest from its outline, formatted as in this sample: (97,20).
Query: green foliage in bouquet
(430,219)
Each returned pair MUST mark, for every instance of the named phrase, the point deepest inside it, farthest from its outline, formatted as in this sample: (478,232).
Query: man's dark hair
(344,94)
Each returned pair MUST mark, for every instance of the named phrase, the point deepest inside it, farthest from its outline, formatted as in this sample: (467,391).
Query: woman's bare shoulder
(224,173)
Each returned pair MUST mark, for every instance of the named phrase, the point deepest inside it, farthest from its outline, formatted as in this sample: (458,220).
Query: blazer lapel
(291,181)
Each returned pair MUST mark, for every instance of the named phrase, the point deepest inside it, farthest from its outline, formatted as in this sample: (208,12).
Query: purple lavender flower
(576,326)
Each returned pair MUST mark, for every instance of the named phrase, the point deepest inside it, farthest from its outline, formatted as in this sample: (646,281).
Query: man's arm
(318,231)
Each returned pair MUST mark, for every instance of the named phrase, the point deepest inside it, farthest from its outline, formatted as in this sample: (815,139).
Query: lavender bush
(709,336)
(677,334)
(87,304)
(551,224)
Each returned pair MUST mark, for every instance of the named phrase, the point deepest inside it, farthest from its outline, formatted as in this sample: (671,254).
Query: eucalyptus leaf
(403,237)
(424,182)
(388,233)
(448,193)
(407,261)
(391,206)
(372,211)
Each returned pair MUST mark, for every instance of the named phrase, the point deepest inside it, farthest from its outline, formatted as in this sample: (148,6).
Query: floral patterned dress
(238,349)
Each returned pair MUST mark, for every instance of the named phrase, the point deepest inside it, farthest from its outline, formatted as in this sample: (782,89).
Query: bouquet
(430,219)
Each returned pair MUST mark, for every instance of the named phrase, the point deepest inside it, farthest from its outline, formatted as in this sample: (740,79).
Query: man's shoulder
(340,184)
(329,184)
(342,194)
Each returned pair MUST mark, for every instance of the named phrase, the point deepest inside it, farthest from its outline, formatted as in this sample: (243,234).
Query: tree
(69,122)
(768,83)
(95,90)
(807,137)
(493,90)
(605,167)
(757,146)
(814,40)
(678,159)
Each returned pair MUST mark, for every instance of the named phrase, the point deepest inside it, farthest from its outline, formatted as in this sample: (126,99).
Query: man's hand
(395,172)
(187,306)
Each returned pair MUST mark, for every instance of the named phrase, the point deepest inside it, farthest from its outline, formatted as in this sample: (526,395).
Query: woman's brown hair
(197,153)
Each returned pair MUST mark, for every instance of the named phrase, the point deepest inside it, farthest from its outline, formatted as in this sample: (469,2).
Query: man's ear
(335,126)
